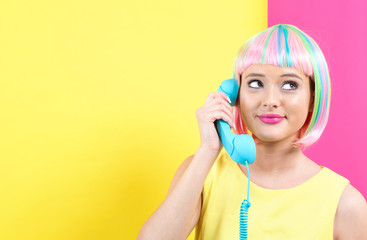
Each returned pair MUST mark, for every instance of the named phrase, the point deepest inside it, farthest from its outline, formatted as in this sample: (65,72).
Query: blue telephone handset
(241,148)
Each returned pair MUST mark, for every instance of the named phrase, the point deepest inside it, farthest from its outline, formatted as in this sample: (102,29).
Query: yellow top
(303,212)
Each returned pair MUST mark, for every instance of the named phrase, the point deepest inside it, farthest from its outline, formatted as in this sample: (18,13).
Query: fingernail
(229,100)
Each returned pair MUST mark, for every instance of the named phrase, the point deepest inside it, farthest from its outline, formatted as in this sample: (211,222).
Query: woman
(282,71)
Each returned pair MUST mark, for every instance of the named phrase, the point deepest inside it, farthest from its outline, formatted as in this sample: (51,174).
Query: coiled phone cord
(244,210)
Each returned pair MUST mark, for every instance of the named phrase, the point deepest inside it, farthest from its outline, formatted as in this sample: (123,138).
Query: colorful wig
(286,45)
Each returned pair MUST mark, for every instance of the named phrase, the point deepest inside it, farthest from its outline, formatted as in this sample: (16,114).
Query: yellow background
(98,103)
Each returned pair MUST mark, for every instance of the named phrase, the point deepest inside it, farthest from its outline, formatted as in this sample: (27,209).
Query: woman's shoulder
(351,215)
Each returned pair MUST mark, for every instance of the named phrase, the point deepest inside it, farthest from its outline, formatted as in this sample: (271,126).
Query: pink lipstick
(271,118)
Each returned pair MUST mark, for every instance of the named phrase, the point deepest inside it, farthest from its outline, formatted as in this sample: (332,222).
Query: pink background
(340,29)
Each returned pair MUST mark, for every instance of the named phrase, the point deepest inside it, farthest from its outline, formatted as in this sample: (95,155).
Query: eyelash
(286,82)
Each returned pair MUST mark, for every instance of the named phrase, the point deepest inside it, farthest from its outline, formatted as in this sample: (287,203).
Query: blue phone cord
(244,210)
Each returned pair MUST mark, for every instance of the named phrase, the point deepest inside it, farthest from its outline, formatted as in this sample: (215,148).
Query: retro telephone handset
(241,148)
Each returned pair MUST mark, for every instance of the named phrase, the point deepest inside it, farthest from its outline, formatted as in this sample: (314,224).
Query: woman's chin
(262,138)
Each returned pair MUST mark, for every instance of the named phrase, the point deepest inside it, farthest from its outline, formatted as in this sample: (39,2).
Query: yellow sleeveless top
(303,212)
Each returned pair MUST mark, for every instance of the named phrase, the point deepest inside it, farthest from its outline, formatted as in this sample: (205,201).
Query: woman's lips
(271,118)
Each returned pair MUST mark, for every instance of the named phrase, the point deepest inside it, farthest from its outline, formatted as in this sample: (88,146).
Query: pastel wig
(286,45)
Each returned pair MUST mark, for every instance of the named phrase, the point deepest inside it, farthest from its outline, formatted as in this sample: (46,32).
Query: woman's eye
(293,85)
(253,84)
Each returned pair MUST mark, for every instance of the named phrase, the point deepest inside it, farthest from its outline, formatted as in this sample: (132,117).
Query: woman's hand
(216,107)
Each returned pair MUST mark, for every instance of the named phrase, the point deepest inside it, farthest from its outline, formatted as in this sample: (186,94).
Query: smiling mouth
(271,120)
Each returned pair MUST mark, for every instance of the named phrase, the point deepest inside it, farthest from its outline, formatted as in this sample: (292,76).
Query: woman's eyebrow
(283,75)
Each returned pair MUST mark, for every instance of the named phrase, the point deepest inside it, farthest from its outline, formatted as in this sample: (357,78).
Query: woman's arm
(176,217)
(351,216)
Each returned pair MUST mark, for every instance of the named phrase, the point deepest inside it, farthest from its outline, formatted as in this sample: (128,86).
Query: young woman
(283,103)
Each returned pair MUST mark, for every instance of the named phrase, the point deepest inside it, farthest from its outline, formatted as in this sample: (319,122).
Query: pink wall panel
(340,29)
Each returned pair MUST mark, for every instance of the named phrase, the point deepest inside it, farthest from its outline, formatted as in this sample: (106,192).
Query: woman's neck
(277,159)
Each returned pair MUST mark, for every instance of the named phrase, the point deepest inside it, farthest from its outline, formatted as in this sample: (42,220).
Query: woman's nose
(271,97)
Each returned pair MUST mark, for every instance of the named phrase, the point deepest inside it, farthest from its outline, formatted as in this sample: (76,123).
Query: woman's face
(272,89)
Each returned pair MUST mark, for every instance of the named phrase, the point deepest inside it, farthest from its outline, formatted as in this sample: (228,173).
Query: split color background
(98,102)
